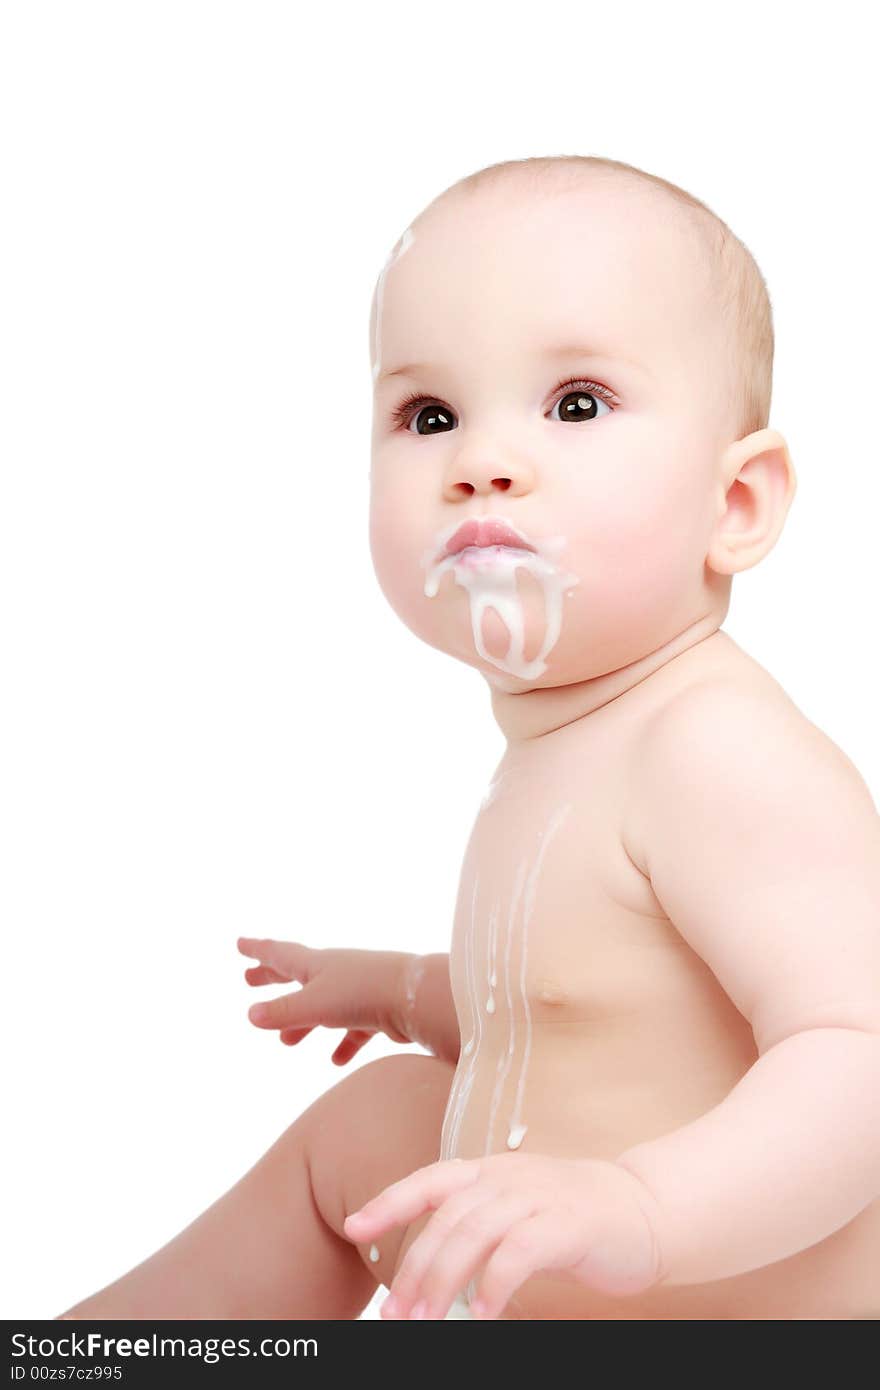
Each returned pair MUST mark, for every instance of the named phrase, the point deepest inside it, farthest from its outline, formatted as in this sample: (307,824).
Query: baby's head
(584,352)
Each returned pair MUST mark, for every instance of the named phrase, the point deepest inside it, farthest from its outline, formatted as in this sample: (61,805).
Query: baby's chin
(546,630)
(517,653)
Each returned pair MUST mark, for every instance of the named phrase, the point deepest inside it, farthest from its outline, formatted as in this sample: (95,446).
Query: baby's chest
(551,914)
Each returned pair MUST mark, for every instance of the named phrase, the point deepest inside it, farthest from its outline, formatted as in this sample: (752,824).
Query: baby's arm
(762,843)
(407,997)
(425,1006)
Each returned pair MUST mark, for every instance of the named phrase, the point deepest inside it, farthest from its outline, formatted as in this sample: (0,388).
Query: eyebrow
(548,354)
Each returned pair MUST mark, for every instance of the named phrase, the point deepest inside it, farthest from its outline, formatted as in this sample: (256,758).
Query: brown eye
(582,401)
(580,405)
(431,419)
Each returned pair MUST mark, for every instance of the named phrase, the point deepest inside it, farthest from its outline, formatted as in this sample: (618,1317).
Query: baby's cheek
(398,540)
(641,552)
(394,522)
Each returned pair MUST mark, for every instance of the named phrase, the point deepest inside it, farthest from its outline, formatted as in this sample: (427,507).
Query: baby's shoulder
(732,745)
(736,722)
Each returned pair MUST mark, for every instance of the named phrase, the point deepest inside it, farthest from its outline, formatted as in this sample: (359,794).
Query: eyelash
(403,413)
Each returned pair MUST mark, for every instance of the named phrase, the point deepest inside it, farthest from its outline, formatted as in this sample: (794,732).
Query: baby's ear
(756,486)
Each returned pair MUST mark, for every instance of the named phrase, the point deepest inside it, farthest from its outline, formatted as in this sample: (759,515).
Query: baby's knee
(373,1095)
(373,1128)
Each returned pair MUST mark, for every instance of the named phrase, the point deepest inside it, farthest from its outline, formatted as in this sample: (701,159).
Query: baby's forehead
(624,228)
(615,262)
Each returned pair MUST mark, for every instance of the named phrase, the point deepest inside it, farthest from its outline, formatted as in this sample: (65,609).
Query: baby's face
(565,362)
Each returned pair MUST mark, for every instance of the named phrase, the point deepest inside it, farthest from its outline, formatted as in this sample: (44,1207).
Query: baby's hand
(350,989)
(521,1212)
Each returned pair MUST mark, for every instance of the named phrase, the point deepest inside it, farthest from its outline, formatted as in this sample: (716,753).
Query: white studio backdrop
(212,724)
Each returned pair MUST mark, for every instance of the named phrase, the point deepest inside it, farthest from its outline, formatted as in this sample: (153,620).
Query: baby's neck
(532,713)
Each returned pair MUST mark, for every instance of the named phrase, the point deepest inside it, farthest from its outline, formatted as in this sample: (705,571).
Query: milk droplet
(374,1254)
(490,1005)
(489,576)
(515,1137)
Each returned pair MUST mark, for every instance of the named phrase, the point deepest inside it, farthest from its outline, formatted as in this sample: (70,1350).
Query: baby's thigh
(380,1123)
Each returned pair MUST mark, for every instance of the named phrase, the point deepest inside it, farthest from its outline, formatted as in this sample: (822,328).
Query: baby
(653,1088)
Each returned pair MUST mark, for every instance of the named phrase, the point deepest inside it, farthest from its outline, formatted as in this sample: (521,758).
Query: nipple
(549,993)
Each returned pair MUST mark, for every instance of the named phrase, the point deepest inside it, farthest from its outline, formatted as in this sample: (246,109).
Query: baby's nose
(485,475)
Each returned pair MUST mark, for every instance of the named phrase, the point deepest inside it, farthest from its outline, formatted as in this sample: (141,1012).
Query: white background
(212,724)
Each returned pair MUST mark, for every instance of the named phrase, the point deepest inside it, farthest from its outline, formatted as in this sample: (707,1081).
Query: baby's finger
(264,975)
(351,1045)
(540,1241)
(250,946)
(287,1011)
(437,1252)
(425,1189)
(293,1035)
(289,959)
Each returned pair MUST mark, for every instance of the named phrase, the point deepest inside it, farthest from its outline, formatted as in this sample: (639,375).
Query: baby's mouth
(485,557)
(486,533)
(476,556)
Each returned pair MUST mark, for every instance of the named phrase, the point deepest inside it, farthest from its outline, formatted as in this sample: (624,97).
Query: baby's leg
(273,1246)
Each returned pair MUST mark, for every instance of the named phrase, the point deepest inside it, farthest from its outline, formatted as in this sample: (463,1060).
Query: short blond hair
(740,292)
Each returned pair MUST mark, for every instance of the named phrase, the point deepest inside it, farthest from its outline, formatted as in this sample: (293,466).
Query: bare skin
(729,1105)
(614,993)
(273,1246)
(616,996)
(680,836)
